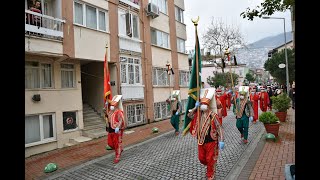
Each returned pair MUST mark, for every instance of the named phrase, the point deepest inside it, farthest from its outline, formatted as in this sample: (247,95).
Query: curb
(102,157)
(237,168)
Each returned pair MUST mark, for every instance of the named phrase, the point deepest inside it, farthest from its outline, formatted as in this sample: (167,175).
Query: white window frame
(40,74)
(158,72)
(74,75)
(179,11)
(184,74)
(42,140)
(135,65)
(179,40)
(159,3)
(162,34)
(122,12)
(162,115)
(84,19)
(134,106)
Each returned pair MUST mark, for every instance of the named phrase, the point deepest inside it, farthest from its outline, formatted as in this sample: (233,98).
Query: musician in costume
(254,98)
(115,126)
(264,99)
(244,112)
(207,130)
(175,106)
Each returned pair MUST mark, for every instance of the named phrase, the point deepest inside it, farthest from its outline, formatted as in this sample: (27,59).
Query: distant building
(281,47)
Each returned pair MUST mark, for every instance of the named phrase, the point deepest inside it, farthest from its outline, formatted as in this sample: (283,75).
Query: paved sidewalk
(68,157)
(275,155)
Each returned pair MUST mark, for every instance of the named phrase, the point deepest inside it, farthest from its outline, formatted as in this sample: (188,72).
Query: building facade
(65,47)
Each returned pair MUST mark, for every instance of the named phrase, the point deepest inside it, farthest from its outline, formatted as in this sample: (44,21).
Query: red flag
(107,87)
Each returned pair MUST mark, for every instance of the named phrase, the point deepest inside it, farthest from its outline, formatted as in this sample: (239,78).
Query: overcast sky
(228,11)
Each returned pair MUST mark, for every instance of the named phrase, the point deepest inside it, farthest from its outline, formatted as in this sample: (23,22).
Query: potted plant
(271,122)
(281,103)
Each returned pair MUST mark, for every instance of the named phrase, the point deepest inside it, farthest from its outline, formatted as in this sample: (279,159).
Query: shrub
(281,102)
(268,118)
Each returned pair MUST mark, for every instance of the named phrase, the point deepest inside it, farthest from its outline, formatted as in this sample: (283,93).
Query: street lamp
(285,47)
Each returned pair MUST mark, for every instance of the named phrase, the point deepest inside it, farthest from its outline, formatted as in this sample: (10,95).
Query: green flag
(193,83)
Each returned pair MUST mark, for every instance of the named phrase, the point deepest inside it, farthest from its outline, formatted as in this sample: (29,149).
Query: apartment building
(65,46)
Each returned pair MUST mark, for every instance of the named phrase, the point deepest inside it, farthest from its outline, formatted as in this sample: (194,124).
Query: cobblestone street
(165,157)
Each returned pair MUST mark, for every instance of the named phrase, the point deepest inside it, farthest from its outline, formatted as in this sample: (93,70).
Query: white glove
(117,130)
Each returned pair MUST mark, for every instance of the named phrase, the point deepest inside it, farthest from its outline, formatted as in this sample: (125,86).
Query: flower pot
(282,116)
(272,128)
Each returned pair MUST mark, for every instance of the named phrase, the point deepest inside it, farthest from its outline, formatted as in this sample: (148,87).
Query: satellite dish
(282,65)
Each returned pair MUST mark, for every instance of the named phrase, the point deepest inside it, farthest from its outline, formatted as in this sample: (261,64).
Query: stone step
(93,124)
(93,121)
(79,139)
(68,144)
(92,118)
(96,133)
(97,126)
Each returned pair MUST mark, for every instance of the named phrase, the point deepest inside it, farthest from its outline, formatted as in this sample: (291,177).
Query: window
(78,13)
(38,75)
(68,76)
(162,4)
(128,24)
(39,128)
(89,16)
(161,110)
(130,70)
(160,77)
(181,45)
(179,14)
(69,121)
(184,78)
(135,114)
(159,38)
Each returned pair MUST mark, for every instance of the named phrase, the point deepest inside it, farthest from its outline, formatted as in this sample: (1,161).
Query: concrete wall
(181,30)
(98,3)
(161,23)
(160,56)
(33,44)
(90,44)
(161,94)
(56,101)
(183,63)
(179,3)
(184,92)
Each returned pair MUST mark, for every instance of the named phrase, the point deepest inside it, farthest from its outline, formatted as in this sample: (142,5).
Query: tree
(222,79)
(250,78)
(268,7)
(218,37)
(272,64)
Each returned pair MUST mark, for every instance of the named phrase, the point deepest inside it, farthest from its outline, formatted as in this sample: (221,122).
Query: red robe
(219,109)
(115,139)
(254,98)
(264,101)
(228,100)
(223,99)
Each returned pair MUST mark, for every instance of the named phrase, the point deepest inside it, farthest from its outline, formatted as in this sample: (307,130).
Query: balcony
(43,26)
(130,92)
(133,3)
(129,44)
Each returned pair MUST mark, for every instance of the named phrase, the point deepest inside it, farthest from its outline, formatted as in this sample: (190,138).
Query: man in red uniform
(228,98)
(222,97)
(264,99)
(115,126)
(208,130)
(254,98)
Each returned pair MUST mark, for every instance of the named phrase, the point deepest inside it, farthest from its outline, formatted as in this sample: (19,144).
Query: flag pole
(229,63)
(106,70)
(195,23)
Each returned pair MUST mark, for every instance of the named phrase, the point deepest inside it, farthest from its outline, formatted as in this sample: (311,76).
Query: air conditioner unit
(152,10)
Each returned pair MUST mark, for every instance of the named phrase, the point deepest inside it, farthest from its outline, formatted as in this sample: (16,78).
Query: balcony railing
(133,3)
(43,26)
